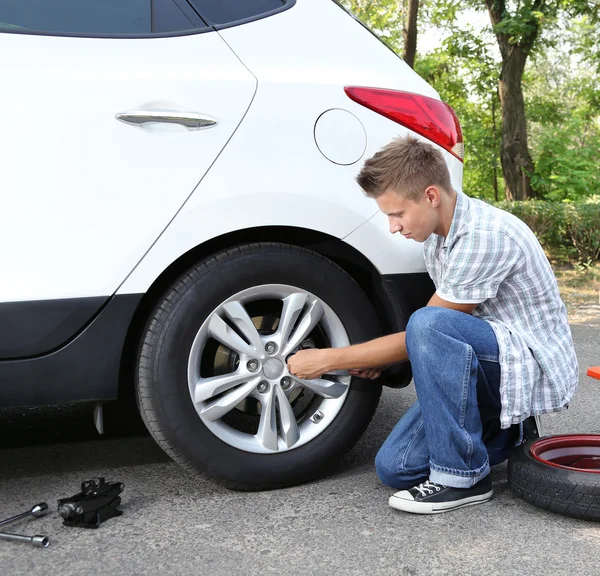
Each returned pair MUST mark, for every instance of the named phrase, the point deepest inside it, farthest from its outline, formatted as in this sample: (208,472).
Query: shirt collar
(462,206)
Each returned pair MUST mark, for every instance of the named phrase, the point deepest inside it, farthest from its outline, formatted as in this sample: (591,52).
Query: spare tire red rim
(578,452)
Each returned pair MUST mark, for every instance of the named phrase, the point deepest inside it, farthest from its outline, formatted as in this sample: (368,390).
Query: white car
(180,214)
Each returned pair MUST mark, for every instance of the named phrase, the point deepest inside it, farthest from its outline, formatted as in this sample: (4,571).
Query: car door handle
(191,120)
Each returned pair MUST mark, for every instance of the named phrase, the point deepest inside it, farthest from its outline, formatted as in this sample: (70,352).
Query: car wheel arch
(347,257)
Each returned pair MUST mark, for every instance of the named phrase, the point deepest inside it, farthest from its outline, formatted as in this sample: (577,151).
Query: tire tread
(159,318)
(549,488)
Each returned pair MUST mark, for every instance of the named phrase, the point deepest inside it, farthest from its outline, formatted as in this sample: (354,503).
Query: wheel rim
(579,452)
(237,371)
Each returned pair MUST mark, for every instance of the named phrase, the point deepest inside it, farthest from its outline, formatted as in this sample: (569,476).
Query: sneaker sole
(437,507)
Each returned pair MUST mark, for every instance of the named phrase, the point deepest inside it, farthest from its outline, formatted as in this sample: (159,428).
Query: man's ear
(432,196)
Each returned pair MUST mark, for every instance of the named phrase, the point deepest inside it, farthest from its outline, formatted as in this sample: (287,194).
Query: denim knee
(423,320)
(419,331)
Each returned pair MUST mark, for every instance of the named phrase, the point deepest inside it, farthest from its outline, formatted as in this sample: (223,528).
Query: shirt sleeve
(477,265)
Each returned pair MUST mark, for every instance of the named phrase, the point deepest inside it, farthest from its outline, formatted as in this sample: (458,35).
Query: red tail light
(426,116)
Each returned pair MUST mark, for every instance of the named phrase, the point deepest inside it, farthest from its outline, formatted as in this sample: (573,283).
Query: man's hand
(368,374)
(313,363)
(309,364)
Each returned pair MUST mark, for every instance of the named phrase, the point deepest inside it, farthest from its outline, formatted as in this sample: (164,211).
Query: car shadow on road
(36,441)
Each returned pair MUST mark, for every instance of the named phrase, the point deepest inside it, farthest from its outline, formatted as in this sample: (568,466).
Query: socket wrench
(37,511)
(39,541)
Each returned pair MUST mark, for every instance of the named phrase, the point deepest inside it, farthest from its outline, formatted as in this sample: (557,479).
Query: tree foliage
(384,17)
(560,81)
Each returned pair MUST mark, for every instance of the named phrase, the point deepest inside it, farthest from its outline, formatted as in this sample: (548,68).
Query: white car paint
(272,173)
(95,207)
(340,137)
(85,195)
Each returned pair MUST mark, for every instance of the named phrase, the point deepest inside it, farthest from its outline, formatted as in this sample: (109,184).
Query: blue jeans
(452,433)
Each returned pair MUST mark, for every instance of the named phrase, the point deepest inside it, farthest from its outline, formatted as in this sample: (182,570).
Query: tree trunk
(410,33)
(517,165)
(495,137)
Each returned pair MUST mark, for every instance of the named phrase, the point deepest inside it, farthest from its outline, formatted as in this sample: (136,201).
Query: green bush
(583,230)
(568,231)
(566,160)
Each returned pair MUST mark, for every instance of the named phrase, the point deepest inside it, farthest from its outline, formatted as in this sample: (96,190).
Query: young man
(492,348)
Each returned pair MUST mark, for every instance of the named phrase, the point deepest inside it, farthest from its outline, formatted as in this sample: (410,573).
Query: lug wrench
(37,511)
(39,541)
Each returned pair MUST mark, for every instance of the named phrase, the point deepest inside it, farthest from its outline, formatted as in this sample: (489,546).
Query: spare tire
(559,473)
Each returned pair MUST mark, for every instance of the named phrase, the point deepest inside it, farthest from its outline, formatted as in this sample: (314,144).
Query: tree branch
(529,39)
(496,9)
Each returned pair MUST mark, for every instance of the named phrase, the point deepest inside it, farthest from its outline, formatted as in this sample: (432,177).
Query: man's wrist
(331,359)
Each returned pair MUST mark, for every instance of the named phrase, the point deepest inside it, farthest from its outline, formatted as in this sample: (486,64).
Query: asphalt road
(175,524)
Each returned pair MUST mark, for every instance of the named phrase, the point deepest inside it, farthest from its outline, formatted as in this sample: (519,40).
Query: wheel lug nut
(252,365)
(271,347)
(286,383)
(262,387)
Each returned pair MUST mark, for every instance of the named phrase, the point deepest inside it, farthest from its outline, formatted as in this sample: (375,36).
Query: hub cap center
(273,368)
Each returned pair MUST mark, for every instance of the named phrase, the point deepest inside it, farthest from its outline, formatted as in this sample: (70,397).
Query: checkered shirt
(493,259)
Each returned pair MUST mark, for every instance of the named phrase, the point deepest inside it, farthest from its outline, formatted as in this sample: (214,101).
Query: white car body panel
(95,216)
(95,210)
(85,195)
(272,172)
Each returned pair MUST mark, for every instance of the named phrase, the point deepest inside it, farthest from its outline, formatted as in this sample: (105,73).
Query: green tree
(562,95)
(465,74)
(410,32)
(518,27)
(516,32)
(530,63)
(384,17)
(394,21)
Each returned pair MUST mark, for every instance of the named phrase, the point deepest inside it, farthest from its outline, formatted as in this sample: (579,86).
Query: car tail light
(426,116)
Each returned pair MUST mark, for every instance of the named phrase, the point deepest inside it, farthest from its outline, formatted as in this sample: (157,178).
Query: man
(492,348)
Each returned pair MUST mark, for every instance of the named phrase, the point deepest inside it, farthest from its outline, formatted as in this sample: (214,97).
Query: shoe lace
(427,488)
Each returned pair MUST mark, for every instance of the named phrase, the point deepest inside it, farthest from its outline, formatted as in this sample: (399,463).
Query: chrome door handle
(191,120)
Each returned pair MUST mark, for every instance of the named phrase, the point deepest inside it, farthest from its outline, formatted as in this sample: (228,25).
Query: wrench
(39,541)
(38,510)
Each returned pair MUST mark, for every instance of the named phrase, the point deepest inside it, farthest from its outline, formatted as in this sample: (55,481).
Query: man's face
(415,220)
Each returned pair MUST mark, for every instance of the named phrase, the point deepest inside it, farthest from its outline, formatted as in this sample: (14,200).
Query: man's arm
(376,353)
(387,349)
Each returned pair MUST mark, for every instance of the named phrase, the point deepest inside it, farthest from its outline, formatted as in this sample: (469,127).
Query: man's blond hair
(406,166)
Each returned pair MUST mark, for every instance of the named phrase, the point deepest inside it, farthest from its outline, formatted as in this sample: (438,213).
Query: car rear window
(93,17)
(229,12)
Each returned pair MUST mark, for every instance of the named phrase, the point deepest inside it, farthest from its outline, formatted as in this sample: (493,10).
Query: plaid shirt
(493,259)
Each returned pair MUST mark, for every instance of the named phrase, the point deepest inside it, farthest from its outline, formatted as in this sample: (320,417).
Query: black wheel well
(348,258)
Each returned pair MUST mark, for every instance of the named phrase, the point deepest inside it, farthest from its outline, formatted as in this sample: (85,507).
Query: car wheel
(212,380)
(559,473)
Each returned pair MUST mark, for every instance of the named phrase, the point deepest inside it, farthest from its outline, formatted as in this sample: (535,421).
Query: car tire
(559,474)
(167,359)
